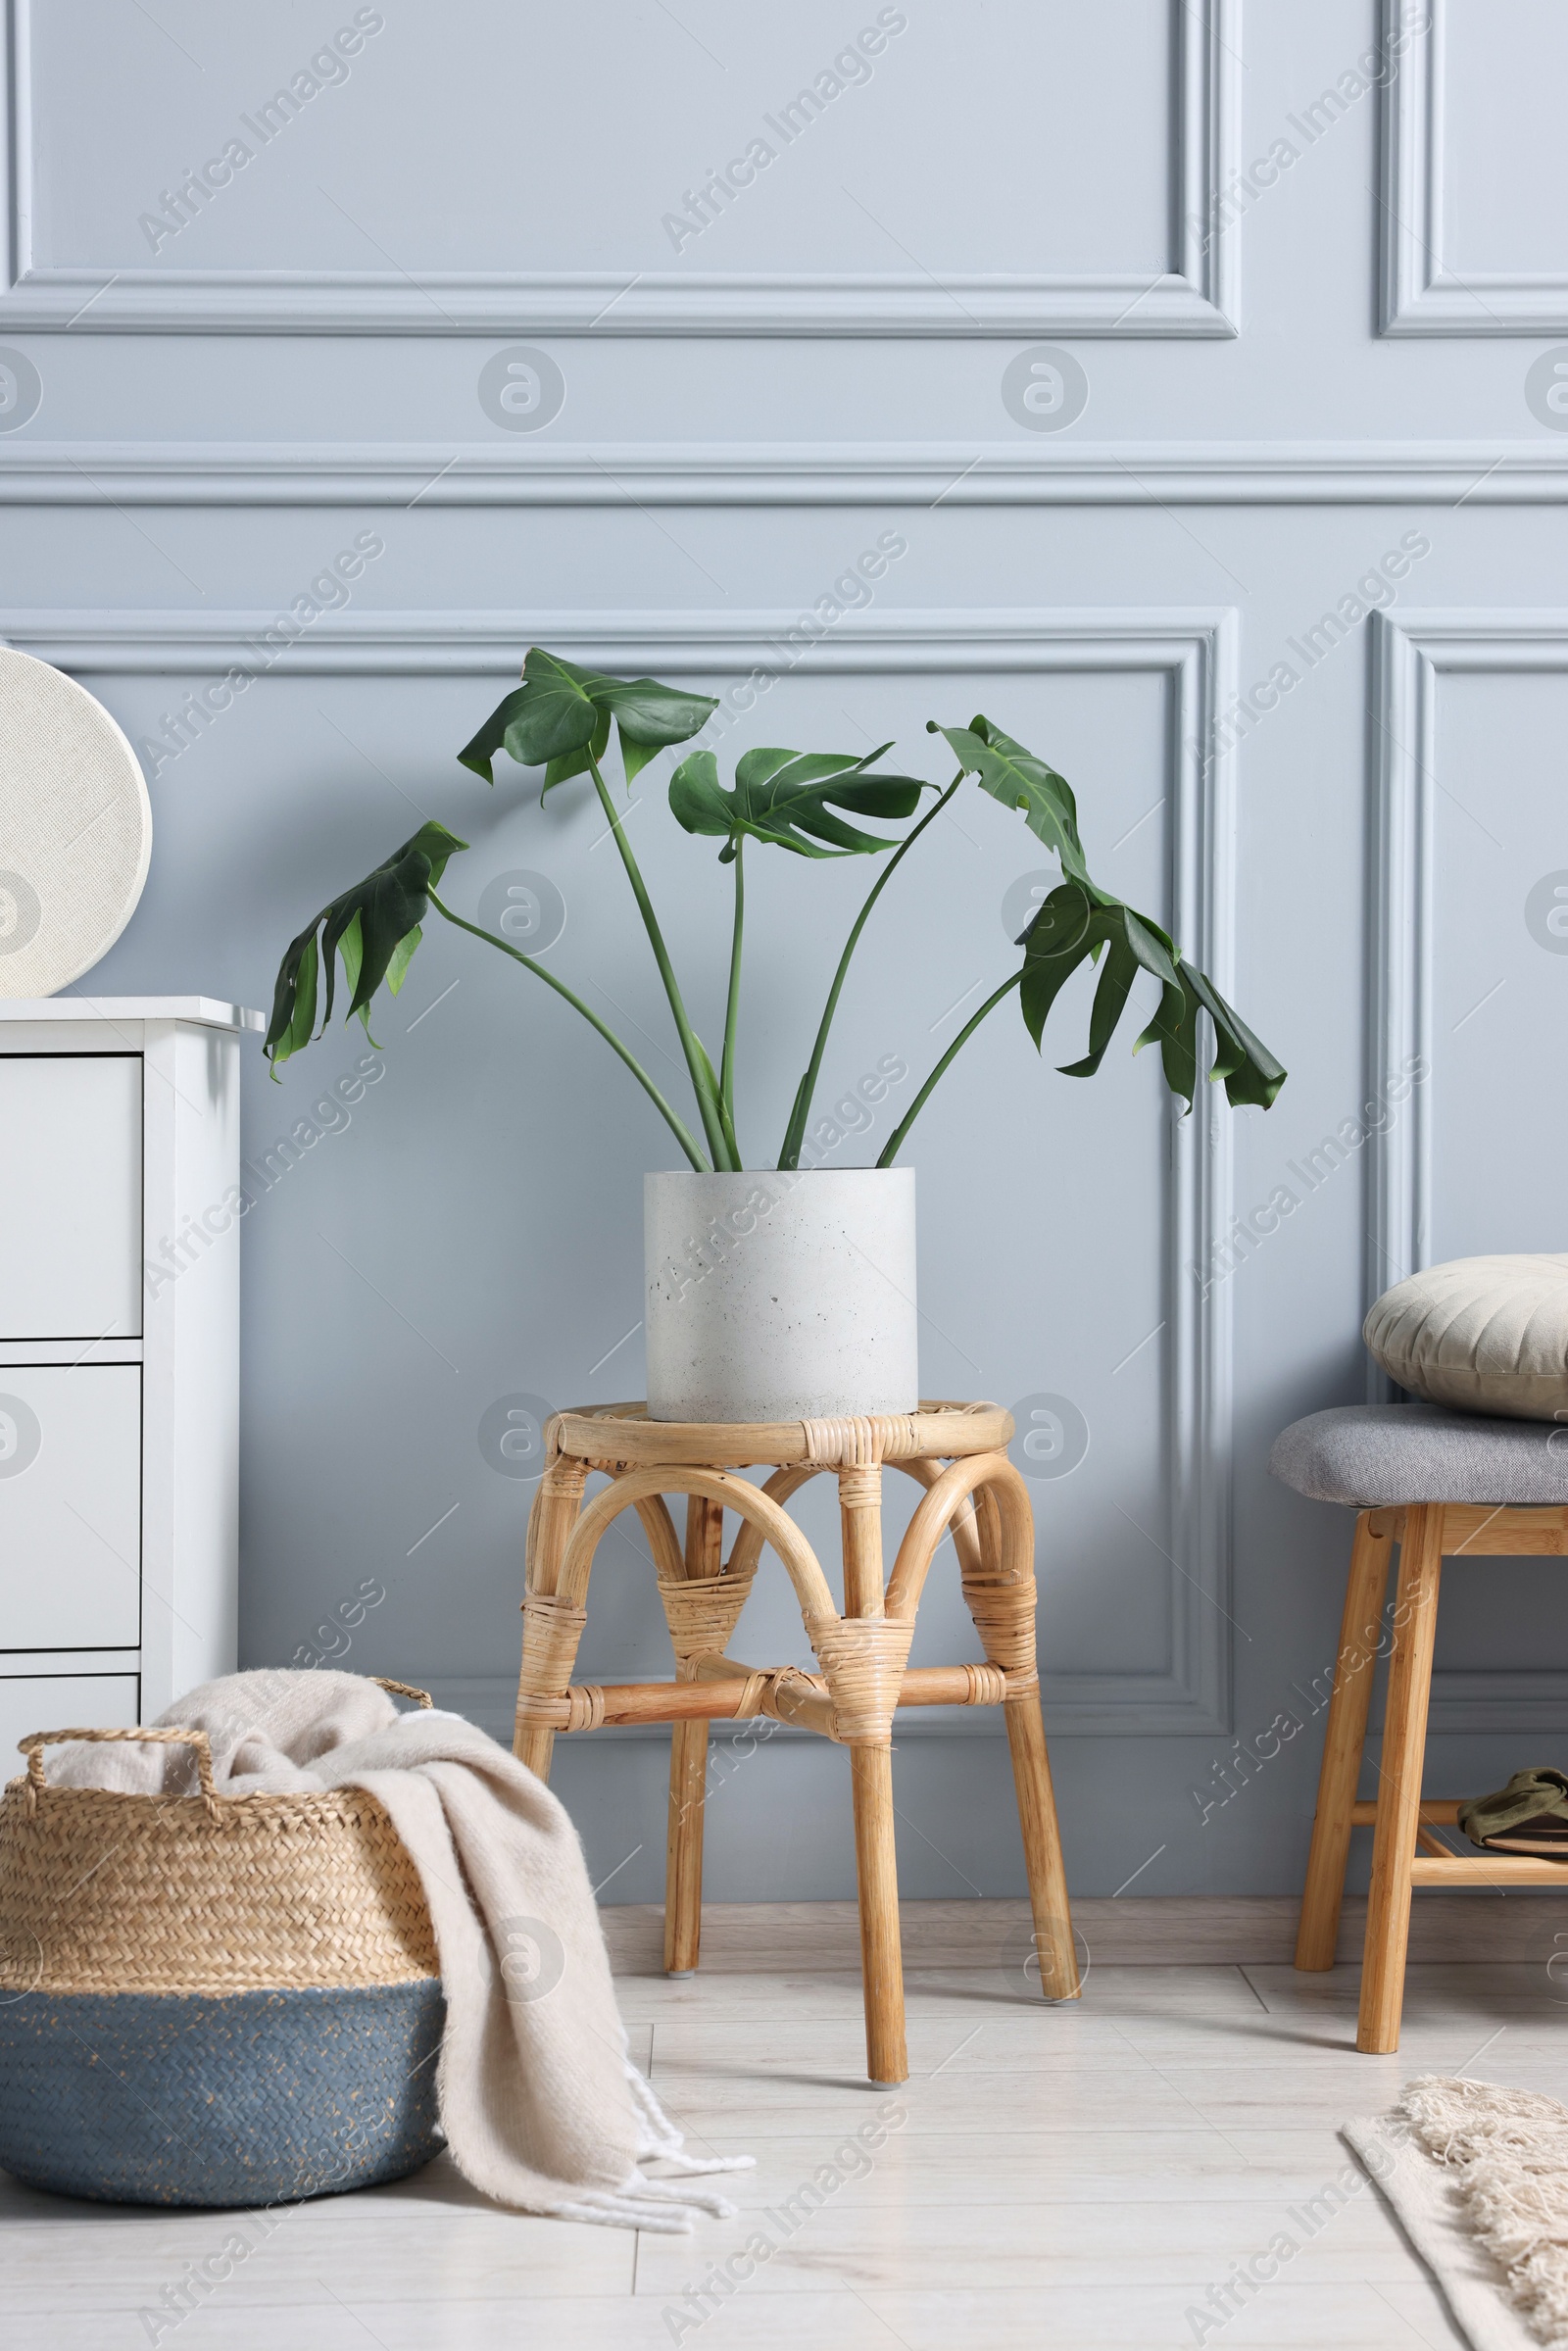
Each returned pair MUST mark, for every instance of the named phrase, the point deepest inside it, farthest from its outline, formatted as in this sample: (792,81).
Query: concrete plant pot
(780,1295)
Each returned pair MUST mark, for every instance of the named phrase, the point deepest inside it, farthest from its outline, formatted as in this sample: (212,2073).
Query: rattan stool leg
(999,1591)
(688,1771)
(1041,1848)
(876,1864)
(683,1847)
(1318,1934)
(1404,1738)
(548,1653)
(876,1871)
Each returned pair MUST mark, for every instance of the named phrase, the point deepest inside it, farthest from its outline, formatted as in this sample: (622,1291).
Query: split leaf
(561,714)
(787,798)
(374,927)
(1080,922)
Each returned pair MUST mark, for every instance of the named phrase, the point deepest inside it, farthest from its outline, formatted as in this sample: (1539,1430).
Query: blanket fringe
(639,2205)
(663,2142)
(1507,2150)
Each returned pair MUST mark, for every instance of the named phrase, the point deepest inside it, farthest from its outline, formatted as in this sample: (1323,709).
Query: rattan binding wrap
(863,1441)
(703,1612)
(104,1891)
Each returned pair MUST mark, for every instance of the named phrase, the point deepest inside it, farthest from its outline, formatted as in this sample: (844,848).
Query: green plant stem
(696,1063)
(678,1125)
(732,1009)
(727,1122)
(789,1155)
(896,1139)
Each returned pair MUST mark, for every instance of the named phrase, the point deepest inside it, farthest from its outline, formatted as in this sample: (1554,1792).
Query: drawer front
(70,1242)
(60,1703)
(69,1506)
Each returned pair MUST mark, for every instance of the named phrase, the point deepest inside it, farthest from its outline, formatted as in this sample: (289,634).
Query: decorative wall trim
(1196,297)
(1399,996)
(725,473)
(1419,295)
(1408,656)
(1195,650)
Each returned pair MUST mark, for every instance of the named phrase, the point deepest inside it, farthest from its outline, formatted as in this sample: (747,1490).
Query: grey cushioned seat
(1376,1454)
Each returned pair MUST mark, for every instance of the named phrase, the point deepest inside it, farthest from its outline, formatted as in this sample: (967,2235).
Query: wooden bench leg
(1041,1848)
(688,1771)
(887,2059)
(1318,1934)
(1404,1736)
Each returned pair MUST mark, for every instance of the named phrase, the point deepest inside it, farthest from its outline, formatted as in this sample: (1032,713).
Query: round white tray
(75,828)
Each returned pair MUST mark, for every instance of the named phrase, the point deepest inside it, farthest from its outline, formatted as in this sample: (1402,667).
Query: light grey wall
(1283,389)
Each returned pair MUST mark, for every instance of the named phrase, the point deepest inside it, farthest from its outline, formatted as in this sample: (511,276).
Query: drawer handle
(175,1735)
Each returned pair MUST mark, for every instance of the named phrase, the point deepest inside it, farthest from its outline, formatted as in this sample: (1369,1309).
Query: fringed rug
(1478,2175)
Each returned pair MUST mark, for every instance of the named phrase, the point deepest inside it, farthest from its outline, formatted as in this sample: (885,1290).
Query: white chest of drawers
(120,1208)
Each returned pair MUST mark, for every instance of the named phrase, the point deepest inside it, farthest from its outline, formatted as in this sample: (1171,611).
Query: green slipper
(1528,1816)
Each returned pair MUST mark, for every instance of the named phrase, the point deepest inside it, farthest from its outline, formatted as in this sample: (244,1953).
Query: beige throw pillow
(1480,1335)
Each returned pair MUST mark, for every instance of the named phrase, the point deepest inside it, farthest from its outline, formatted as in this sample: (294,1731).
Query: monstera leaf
(558,719)
(1072,928)
(374,927)
(1015,777)
(1080,922)
(783,797)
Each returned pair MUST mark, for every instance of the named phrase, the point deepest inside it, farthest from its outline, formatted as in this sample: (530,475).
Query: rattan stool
(1441,1486)
(863,1655)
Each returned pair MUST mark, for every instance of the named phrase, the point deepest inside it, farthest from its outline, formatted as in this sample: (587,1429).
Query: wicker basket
(210,2000)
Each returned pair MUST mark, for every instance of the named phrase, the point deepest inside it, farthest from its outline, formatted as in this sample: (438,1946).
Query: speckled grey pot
(780,1297)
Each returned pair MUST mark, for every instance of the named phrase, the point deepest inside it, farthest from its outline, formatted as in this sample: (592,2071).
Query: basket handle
(404,1689)
(175,1735)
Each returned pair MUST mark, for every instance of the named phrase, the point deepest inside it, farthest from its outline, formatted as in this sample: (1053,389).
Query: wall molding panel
(1419,294)
(1408,658)
(737,474)
(1195,296)
(1196,651)
(1400,1004)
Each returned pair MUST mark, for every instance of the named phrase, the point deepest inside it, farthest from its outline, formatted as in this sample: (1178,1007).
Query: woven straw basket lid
(104,1891)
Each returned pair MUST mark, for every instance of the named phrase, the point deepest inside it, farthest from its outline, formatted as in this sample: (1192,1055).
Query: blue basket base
(244,2098)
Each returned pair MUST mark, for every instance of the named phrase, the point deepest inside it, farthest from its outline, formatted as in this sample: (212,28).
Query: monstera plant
(559,719)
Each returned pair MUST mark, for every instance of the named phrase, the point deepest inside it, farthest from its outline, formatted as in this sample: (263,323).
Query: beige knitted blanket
(540,2102)
(1478,2174)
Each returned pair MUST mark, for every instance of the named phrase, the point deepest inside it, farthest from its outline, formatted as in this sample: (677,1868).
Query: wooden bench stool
(862,1653)
(1438,1484)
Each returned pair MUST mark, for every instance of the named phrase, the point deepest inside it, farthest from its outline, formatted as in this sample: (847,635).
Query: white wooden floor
(1050,2176)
